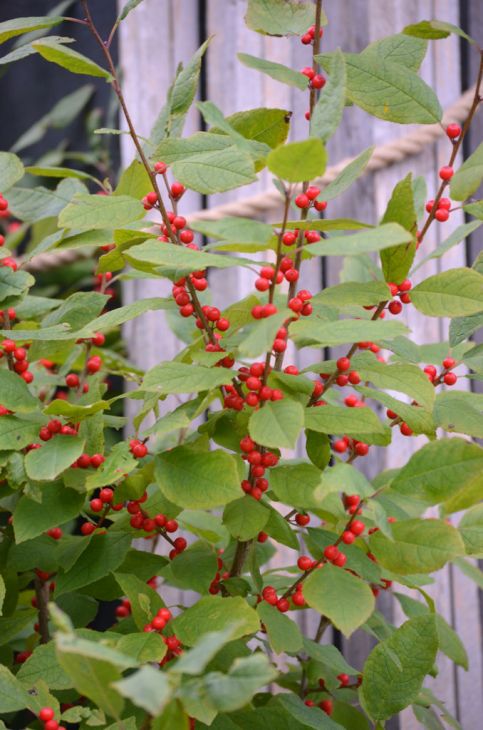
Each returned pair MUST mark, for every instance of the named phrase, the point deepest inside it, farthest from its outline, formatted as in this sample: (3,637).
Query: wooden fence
(158,35)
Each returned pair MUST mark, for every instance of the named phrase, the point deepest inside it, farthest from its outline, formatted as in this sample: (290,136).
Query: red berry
(318,82)
(357,527)
(302,519)
(96,505)
(327,706)
(283,605)
(450,378)
(302,201)
(72,380)
(96,460)
(395,307)
(344,679)
(340,446)
(348,537)
(46,714)
(343,363)
(340,560)
(289,238)
(171,526)
(361,449)
(306,39)
(453,131)
(177,189)
(441,215)
(444,203)
(331,552)
(180,544)
(308,71)
(304,563)
(312,192)
(405,430)
(87,528)
(448,363)
(429,208)
(446,172)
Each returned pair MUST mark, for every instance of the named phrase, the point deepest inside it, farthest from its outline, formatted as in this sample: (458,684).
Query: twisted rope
(384,155)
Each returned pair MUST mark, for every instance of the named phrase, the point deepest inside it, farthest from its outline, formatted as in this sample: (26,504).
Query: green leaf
(152,254)
(134,181)
(276,71)
(475,209)
(396,262)
(170,121)
(215,172)
(374,239)
(357,422)
(298,161)
(53,457)
(11,168)
(43,665)
(401,377)
(177,377)
(15,393)
(345,599)
(91,674)
(353,292)
(279,17)
(304,715)
(461,328)
(460,412)
(347,176)
(277,424)
(13,284)
(13,696)
(215,613)
(195,660)
(262,334)
(194,568)
(59,505)
(143,647)
(54,171)
(318,449)
(453,293)
(71,60)
(346,330)
(32,205)
(396,668)
(435,29)
(458,235)
(329,108)
(418,419)
(267,126)
(399,48)
(419,546)
(16,434)
(145,602)
(19,26)
(118,316)
(146,688)
(245,518)
(103,554)
(87,212)
(388,90)
(283,633)
(72,412)
(329,655)
(467,179)
(118,464)
(130,5)
(471,529)
(3,592)
(440,470)
(297,484)
(197,480)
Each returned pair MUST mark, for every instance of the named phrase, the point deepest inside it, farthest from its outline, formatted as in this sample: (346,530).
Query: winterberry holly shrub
(89,515)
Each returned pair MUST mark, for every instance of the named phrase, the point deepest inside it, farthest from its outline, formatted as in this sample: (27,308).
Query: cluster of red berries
(215,583)
(159,524)
(359,448)
(100,281)
(448,377)
(316,81)
(308,199)
(124,608)
(46,715)
(326,705)
(10,314)
(269,594)
(138,449)
(401,290)
(158,623)
(300,303)
(18,357)
(309,36)
(441,209)
(9,263)
(178,226)
(262,311)
(259,462)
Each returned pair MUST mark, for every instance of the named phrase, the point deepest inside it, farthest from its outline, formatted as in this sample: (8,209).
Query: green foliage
(102,464)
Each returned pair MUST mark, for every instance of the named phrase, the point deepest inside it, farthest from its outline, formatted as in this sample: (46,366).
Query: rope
(384,155)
